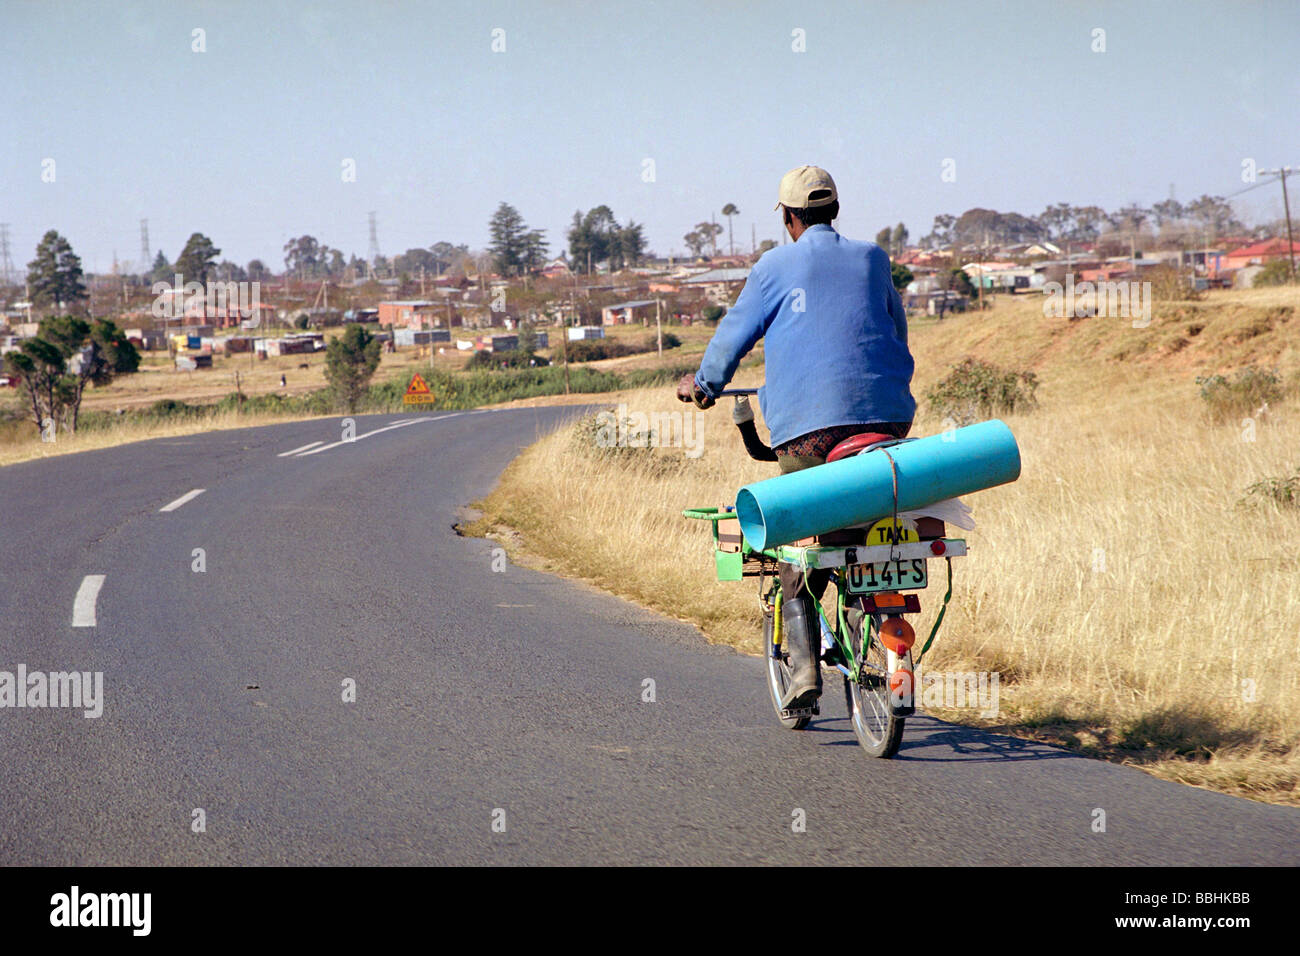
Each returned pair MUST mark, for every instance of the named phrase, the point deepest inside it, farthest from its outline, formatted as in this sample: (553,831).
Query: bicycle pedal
(794,713)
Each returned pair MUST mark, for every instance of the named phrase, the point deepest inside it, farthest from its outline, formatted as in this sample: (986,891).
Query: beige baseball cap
(806,187)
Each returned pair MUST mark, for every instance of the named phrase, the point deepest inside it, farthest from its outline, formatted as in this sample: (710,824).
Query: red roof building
(1258,253)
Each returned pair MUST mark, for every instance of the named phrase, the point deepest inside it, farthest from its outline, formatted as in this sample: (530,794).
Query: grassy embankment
(159,401)
(1135,608)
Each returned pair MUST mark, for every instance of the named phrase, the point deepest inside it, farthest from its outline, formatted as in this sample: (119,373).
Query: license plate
(902,574)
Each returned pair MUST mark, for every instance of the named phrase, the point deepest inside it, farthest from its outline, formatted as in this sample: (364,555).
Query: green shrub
(1283,492)
(1244,393)
(591,350)
(515,358)
(1277,272)
(976,390)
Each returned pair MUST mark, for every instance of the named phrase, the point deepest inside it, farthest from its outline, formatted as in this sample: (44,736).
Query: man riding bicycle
(837,365)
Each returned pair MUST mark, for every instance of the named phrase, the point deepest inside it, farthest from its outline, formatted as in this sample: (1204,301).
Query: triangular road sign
(417,386)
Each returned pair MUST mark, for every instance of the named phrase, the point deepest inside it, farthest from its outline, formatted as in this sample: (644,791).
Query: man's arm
(742,326)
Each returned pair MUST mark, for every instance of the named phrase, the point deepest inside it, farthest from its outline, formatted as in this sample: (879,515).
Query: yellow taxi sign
(887,531)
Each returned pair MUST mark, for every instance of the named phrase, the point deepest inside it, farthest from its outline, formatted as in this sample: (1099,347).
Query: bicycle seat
(856,443)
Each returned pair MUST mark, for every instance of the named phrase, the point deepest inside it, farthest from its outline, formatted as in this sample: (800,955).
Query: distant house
(302,343)
(1258,254)
(408,313)
(719,286)
(939,303)
(624,312)
(557,269)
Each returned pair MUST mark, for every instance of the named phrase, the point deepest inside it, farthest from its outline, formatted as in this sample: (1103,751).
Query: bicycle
(869,641)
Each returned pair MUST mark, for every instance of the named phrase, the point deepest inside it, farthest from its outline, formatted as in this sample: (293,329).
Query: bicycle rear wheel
(877,728)
(778,677)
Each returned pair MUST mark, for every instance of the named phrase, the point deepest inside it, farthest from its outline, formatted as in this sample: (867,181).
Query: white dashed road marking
(188,496)
(286,454)
(83,606)
(387,428)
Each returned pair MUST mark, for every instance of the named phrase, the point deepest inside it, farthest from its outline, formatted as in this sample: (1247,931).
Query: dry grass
(1132,608)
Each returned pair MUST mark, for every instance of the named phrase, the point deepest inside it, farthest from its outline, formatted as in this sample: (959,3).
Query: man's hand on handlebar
(687,391)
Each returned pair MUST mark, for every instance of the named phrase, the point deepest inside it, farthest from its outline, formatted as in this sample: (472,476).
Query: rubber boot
(802,639)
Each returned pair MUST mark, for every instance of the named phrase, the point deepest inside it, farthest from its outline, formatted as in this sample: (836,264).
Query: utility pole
(1286,205)
(659,329)
(374,244)
(564,340)
(6,263)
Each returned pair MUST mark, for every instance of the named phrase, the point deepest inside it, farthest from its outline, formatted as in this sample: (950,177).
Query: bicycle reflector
(897,635)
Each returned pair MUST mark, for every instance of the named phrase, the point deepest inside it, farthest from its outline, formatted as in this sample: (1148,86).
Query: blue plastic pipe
(860,489)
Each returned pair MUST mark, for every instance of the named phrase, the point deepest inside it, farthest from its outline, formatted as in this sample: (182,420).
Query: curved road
(483,699)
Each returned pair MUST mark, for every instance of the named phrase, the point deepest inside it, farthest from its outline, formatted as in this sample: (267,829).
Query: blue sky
(245,142)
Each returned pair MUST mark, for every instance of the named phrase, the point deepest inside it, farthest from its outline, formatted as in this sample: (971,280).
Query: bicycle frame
(734,563)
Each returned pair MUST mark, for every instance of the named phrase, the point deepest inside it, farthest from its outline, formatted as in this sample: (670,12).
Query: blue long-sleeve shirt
(836,350)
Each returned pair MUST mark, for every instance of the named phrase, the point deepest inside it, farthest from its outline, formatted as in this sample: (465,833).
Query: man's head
(807,196)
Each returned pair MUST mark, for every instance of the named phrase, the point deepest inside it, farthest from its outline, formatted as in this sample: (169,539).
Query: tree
(882,238)
(1055,220)
(628,245)
(730,210)
(257,271)
(708,233)
(350,361)
(413,260)
(1087,223)
(1213,215)
(696,241)
(765,245)
(959,281)
(198,259)
(39,366)
(1167,213)
(940,232)
(527,338)
(510,239)
(536,250)
(231,272)
(596,237)
(56,364)
(901,275)
(55,275)
(301,255)
(446,255)
(898,240)
(121,356)
(162,269)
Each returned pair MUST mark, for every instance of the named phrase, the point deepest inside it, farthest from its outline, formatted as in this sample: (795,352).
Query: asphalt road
(482,698)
